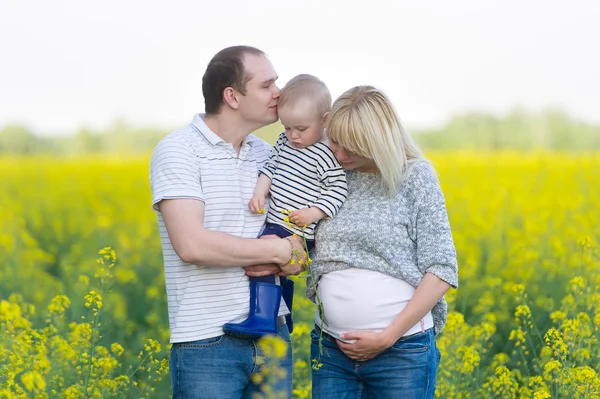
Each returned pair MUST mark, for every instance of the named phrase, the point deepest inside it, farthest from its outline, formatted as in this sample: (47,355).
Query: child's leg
(265,298)
(263,279)
(287,289)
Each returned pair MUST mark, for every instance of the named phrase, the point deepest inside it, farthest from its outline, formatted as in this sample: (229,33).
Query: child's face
(303,126)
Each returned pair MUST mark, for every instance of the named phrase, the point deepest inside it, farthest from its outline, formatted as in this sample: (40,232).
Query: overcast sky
(72,63)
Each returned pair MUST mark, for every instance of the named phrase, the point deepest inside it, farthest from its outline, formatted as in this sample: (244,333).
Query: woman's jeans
(407,370)
(222,367)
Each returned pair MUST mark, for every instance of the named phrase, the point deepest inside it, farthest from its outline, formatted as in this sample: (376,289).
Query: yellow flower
(152,346)
(93,299)
(470,359)
(58,305)
(33,380)
(518,288)
(523,310)
(117,349)
(557,316)
(550,368)
(84,280)
(273,346)
(585,242)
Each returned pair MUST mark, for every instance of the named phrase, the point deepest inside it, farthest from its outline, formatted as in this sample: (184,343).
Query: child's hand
(304,217)
(257,204)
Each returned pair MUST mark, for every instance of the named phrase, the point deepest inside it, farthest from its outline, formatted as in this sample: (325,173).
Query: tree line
(551,129)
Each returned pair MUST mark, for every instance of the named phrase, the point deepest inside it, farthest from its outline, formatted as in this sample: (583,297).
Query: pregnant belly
(362,300)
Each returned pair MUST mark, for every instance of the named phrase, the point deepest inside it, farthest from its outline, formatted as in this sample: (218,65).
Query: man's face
(259,105)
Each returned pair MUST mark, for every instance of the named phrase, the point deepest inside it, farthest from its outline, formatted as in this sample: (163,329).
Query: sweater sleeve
(271,165)
(436,253)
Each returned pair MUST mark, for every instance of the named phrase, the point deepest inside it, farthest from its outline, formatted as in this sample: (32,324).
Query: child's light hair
(306,86)
(364,122)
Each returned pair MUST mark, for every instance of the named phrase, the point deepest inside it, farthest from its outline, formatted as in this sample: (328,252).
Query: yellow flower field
(83,307)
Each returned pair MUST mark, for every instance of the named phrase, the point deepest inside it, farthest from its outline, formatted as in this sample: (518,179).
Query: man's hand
(262,270)
(305,216)
(298,257)
(368,344)
(256,204)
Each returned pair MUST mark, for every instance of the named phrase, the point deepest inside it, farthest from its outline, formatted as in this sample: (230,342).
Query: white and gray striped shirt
(301,178)
(195,163)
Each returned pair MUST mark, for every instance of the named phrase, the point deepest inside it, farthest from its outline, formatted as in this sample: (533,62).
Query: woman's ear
(324,119)
(230,97)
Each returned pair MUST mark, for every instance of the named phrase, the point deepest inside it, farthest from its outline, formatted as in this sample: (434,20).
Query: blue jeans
(222,367)
(406,370)
(281,232)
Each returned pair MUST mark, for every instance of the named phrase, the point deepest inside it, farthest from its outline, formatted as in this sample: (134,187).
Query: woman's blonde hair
(364,122)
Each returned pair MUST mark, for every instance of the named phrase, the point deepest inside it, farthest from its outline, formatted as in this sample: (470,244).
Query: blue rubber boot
(287,290)
(262,318)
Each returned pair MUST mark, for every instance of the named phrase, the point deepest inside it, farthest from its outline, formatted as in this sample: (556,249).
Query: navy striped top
(301,178)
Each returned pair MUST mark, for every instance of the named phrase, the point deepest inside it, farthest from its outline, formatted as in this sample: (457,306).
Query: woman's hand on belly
(367,345)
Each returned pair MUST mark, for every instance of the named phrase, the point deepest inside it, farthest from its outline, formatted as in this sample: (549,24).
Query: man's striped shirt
(302,178)
(195,163)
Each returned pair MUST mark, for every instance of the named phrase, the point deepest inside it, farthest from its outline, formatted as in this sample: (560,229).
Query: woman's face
(351,161)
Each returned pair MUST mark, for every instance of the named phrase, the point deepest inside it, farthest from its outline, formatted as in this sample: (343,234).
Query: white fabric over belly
(364,300)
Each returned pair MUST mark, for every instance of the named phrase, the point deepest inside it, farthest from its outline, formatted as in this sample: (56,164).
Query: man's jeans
(407,370)
(222,367)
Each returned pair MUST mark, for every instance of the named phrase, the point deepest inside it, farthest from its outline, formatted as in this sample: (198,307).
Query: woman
(384,263)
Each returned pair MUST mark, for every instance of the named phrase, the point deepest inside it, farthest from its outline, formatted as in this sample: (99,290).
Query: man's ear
(324,119)
(230,97)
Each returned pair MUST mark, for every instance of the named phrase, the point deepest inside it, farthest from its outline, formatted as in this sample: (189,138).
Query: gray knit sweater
(403,237)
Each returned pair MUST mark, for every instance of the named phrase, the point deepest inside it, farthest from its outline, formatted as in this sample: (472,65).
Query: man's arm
(184,220)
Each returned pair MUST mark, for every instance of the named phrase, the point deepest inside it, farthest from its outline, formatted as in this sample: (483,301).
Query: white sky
(71,63)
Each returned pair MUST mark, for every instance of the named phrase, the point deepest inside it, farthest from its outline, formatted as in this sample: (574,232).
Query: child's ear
(324,119)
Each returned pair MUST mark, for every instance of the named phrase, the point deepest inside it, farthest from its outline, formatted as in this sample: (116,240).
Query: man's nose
(276,92)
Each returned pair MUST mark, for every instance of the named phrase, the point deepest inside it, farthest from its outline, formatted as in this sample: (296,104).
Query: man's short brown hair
(225,69)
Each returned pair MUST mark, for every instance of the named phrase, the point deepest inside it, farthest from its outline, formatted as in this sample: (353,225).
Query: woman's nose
(340,154)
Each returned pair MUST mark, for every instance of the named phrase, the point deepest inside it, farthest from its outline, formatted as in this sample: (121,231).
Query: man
(202,178)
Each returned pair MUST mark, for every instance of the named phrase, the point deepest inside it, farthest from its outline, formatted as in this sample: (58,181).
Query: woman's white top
(364,300)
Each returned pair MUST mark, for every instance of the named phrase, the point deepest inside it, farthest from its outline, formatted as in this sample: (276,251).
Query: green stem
(138,367)
(142,391)
(93,341)
(317,298)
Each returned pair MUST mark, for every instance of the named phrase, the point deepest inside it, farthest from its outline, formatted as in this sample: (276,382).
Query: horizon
(413,129)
